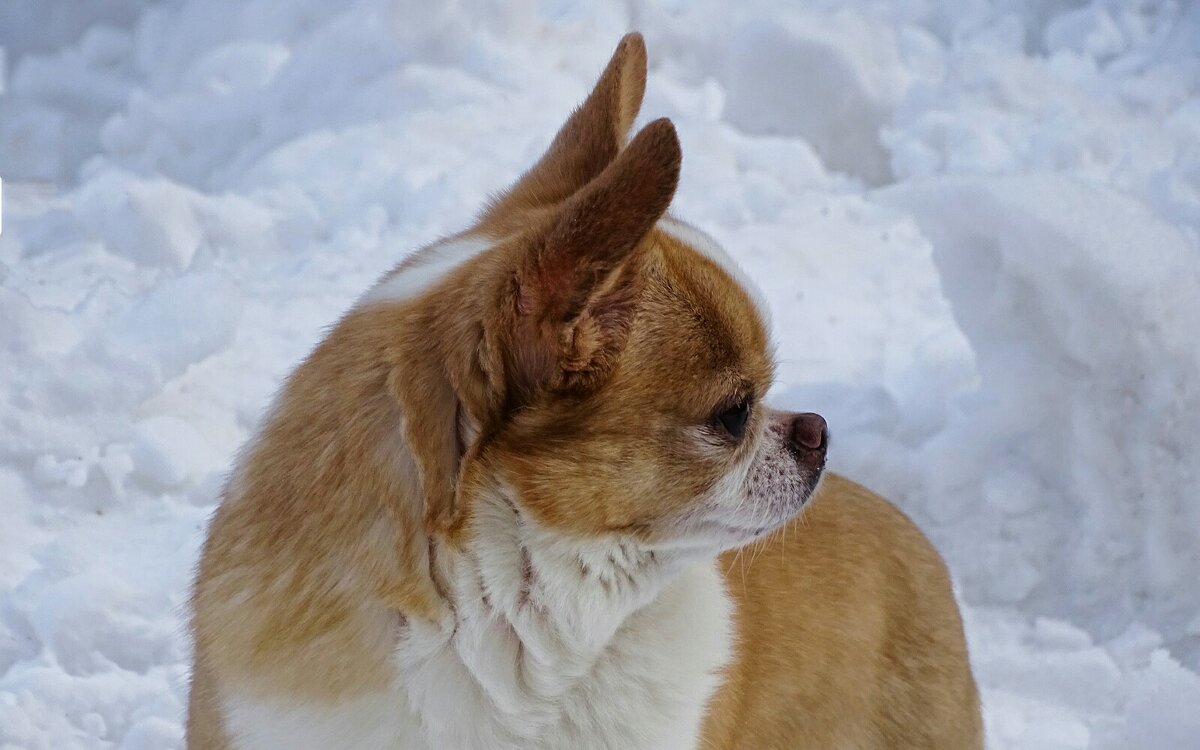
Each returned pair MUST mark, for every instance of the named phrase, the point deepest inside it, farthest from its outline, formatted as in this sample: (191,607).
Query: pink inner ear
(459,442)
(525,300)
(560,285)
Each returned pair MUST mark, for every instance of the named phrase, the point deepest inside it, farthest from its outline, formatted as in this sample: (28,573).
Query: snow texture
(976,225)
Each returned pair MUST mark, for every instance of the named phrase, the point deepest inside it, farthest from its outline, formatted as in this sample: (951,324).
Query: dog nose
(809,433)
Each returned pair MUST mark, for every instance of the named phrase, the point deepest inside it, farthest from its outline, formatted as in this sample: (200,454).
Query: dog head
(601,365)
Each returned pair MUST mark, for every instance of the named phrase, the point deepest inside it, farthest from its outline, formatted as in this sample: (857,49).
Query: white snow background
(976,224)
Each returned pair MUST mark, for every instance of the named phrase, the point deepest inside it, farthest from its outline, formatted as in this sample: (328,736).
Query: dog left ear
(572,300)
(584,146)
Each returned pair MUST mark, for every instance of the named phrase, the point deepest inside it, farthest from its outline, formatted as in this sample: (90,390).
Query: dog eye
(734,418)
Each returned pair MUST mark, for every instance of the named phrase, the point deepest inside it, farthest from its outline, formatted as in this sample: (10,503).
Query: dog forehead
(699,241)
(700,313)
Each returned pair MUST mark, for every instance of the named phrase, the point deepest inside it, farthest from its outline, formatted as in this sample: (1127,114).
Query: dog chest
(648,689)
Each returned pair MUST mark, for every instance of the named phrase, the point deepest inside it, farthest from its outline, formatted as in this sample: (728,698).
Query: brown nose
(809,434)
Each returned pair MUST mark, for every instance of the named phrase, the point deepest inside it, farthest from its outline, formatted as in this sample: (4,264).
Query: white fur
(606,650)
(379,721)
(431,265)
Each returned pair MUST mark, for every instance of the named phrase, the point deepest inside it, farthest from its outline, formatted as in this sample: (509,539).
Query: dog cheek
(775,481)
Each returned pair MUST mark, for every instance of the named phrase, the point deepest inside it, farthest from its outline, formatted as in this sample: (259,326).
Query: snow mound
(843,76)
(1080,305)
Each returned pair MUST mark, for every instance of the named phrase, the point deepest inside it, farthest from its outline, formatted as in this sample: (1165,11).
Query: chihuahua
(500,506)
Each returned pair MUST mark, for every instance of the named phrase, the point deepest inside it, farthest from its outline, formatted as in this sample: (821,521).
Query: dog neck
(575,592)
(534,614)
(563,597)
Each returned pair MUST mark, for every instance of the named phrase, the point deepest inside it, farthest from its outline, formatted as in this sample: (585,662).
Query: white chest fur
(476,684)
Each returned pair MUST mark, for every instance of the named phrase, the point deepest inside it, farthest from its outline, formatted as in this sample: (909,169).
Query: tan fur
(317,503)
(584,347)
(848,636)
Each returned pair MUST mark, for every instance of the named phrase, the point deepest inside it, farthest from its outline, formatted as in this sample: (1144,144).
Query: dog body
(847,636)
(489,510)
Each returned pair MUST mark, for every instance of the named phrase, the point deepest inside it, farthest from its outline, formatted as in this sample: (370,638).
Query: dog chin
(751,521)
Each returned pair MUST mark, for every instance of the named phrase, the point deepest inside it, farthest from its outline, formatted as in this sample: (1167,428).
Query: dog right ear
(569,305)
(586,143)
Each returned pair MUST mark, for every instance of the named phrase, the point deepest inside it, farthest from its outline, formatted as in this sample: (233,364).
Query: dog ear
(572,300)
(585,144)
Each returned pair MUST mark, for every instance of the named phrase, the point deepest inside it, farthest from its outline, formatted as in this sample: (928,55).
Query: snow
(977,226)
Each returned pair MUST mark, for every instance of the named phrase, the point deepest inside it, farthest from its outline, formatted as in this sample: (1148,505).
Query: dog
(500,506)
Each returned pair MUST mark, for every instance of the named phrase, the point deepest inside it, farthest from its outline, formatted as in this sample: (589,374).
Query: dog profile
(499,505)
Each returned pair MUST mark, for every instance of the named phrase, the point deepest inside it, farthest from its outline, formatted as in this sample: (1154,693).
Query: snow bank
(976,226)
(1082,308)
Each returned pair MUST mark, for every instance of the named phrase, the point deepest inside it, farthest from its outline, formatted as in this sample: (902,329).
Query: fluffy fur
(502,505)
